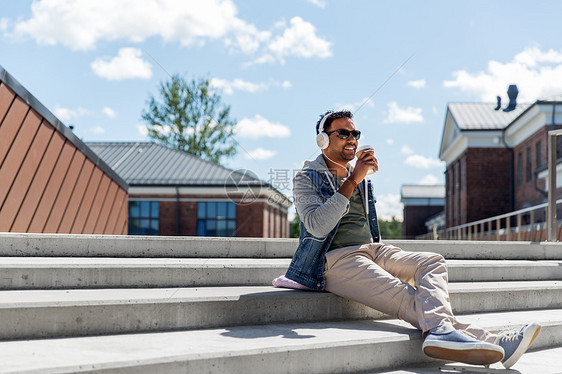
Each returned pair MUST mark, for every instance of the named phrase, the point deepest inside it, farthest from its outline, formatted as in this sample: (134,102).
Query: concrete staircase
(205,305)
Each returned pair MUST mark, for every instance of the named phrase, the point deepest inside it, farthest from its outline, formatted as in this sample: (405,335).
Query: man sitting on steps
(340,251)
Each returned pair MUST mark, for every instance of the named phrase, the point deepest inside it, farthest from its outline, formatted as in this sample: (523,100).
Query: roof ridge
(485,103)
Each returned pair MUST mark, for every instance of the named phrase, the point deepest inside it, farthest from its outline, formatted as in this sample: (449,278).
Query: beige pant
(412,286)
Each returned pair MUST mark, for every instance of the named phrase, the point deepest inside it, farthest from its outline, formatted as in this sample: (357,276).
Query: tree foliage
(295,229)
(390,229)
(189,116)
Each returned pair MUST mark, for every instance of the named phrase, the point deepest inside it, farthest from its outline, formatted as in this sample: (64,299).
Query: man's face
(341,150)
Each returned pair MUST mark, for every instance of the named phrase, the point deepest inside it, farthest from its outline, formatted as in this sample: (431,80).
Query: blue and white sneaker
(459,347)
(516,342)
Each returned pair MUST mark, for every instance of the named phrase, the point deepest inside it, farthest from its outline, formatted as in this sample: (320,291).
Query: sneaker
(516,342)
(459,347)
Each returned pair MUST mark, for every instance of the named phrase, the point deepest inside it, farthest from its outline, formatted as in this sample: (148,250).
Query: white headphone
(322,139)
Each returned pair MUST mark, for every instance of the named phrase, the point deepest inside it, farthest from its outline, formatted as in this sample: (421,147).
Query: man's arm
(318,217)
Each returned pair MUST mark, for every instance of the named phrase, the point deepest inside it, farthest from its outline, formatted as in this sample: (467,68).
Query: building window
(519,168)
(529,164)
(539,154)
(143,217)
(216,218)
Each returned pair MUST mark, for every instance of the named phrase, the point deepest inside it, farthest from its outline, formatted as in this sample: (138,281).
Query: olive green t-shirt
(354,227)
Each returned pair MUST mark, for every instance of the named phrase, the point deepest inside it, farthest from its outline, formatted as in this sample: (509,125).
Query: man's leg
(352,273)
(406,285)
(428,273)
(411,286)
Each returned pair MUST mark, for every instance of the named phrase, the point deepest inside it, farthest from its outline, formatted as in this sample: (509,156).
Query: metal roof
(550,99)
(482,116)
(146,163)
(423,191)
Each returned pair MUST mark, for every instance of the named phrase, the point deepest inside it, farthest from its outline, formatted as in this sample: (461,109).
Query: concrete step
(56,313)
(62,245)
(535,361)
(321,347)
(102,272)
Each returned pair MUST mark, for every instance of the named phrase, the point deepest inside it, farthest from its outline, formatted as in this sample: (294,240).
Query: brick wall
(536,146)
(250,220)
(258,219)
(414,219)
(487,182)
(477,185)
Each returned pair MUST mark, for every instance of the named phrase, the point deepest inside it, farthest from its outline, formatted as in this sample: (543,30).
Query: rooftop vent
(499,106)
(512,93)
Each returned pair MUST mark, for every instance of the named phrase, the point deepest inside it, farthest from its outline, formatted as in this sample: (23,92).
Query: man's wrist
(352,181)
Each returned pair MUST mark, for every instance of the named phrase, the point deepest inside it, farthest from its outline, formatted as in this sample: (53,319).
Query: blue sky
(279,64)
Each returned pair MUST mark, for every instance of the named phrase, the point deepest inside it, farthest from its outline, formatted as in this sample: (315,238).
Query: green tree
(390,229)
(189,116)
(295,229)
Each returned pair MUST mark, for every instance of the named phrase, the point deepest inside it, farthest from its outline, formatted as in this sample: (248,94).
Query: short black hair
(332,116)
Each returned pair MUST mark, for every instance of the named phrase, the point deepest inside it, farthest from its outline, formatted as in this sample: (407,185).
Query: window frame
(216,218)
(147,214)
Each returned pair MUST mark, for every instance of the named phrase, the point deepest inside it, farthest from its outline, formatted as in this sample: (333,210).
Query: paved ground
(548,361)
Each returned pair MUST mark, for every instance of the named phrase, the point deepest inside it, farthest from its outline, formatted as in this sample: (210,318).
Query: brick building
(421,203)
(496,159)
(175,193)
(51,182)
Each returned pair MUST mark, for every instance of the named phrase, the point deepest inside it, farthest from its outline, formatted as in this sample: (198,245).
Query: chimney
(499,106)
(512,93)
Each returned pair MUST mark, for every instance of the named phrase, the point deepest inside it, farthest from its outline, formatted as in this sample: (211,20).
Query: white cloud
(300,40)
(403,115)
(390,141)
(417,84)
(98,130)
(246,37)
(422,162)
(389,206)
(4,24)
(265,59)
(536,73)
(66,114)
(128,64)
(259,127)
(260,154)
(228,87)
(109,112)
(429,179)
(406,150)
(83,24)
(318,3)
(142,130)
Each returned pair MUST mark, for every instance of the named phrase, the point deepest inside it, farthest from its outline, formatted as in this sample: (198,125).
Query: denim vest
(307,265)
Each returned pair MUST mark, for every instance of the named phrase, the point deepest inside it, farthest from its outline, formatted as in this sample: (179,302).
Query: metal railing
(508,226)
(501,226)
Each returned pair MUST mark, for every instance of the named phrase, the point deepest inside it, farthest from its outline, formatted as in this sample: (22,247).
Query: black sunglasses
(344,134)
